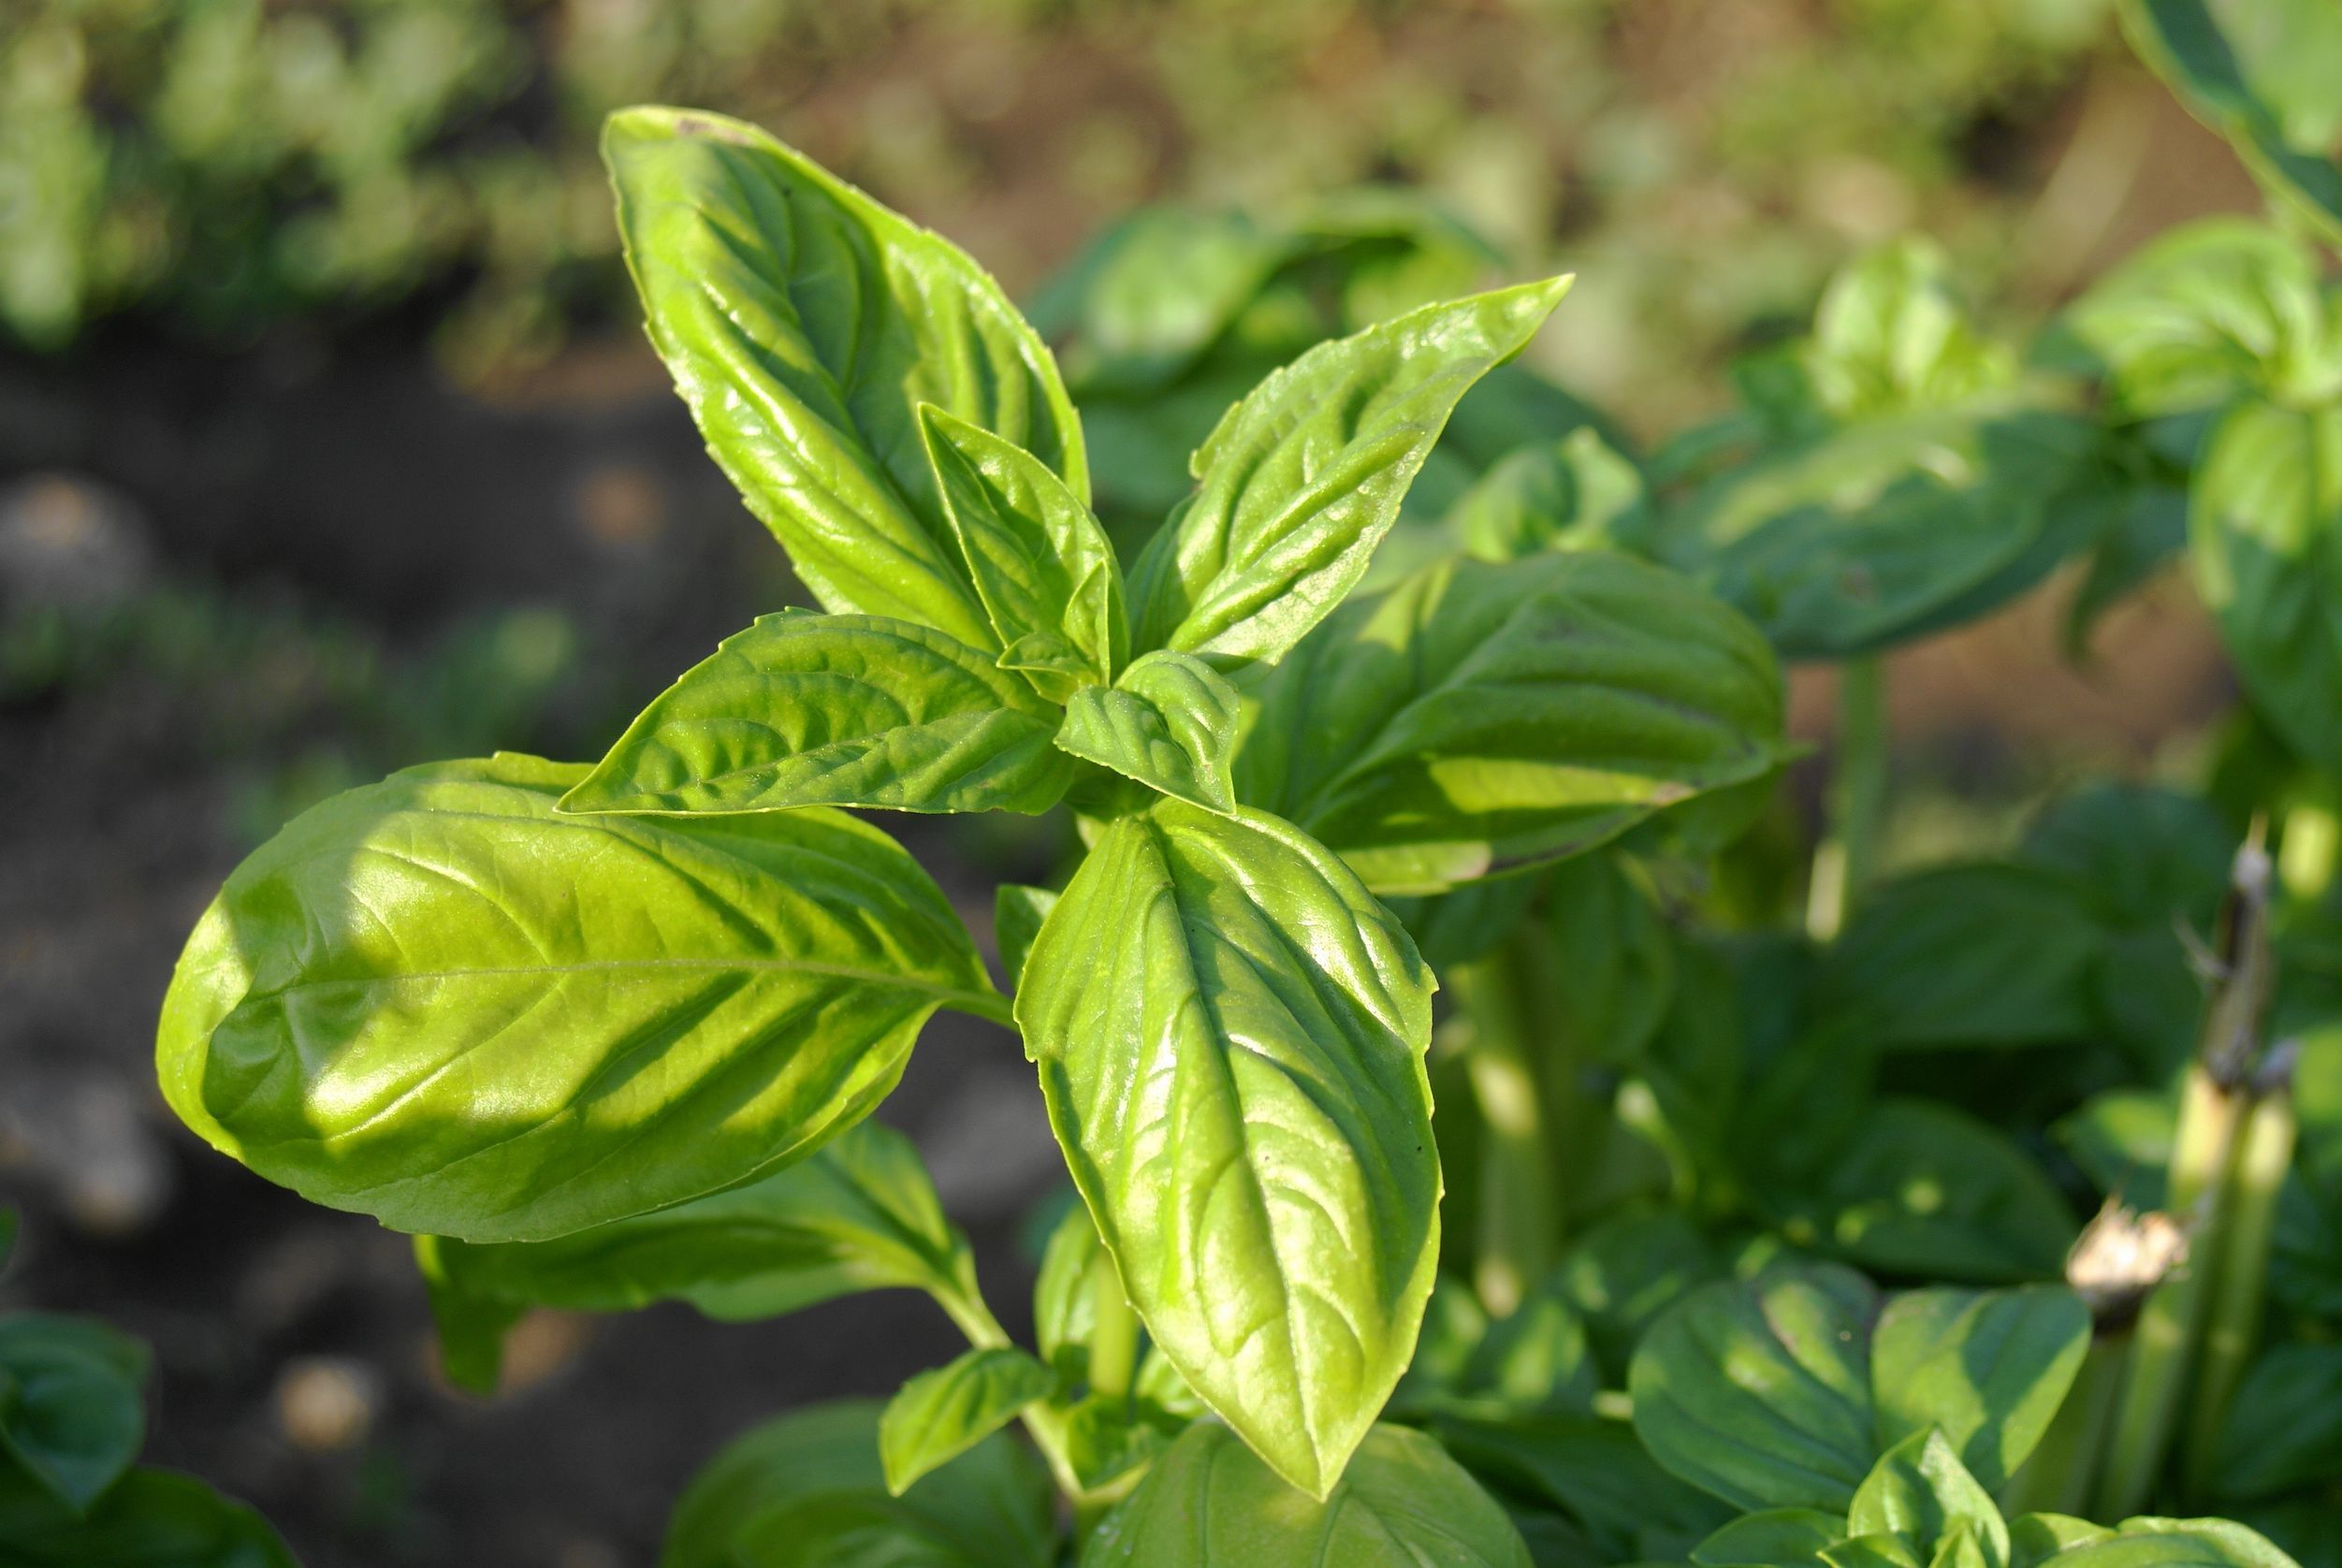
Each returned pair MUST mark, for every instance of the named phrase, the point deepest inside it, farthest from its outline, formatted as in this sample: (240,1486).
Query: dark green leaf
(804,325)
(1984,1369)
(1042,564)
(1626,1270)
(1147,296)
(2147,528)
(2265,536)
(1594,1473)
(1403,1504)
(941,1414)
(1170,723)
(2284,1429)
(440,1002)
(1775,1538)
(804,709)
(1479,717)
(850,1530)
(1230,1034)
(1302,478)
(72,1402)
(858,1214)
(149,1518)
(2035,1538)
(1920,1492)
(1759,1390)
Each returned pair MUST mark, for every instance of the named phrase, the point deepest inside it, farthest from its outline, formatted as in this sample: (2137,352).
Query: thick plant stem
(2057,1479)
(2239,1276)
(1519,1203)
(1845,859)
(1114,1333)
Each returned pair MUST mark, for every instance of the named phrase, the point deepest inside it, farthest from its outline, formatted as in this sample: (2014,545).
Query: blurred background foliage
(219,166)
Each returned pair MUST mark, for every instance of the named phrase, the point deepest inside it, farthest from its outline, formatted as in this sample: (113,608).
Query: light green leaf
(859,1213)
(1017,913)
(2159,1543)
(149,1518)
(440,1002)
(1301,479)
(1481,718)
(1403,1504)
(804,709)
(2265,536)
(1986,1369)
(1759,1390)
(1575,493)
(1231,1034)
(1146,296)
(1042,564)
(2204,314)
(1876,1551)
(944,1411)
(1775,1538)
(2035,1538)
(1170,723)
(805,324)
(72,1402)
(1889,336)
(1920,1492)
(2261,74)
(814,1475)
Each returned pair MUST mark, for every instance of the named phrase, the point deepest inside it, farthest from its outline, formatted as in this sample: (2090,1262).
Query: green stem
(1113,1332)
(1847,858)
(1518,1199)
(2057,1478)
(2240,1275)
(2169,1321)
(1045,1424)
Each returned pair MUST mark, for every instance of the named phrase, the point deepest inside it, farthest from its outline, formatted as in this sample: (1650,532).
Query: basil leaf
(2265,537)
(1480,718)
(2204,314)
(1017,913)
(1301,479)
(805,324)
(438,1001)
(815,1474)
(1594,1473)
(1230,1036)
(1920,1492)
(1775,1538)
(1170,723)
(804,709)
(1628,1268)
(2261,74)
(149,1518)
(859,1213)
(853,1531)
(1042,564)
(1148,295)
(2284,1428)
(1402,1504)
(1759,1390)
(1574,493)
(2035,1538)
(1878,1551)
(72,1407)
(943,1413)
(1889,337)
(1987,1370)
(2159,1543)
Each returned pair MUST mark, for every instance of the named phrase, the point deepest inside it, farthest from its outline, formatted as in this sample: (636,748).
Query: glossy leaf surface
(1231,1034)
(805,324)
(1402,1504)
(805,709)
(1479,717)
(440,1002)
(1300,479)
(1170,723)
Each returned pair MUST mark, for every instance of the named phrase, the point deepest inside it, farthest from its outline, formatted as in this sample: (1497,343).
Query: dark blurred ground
(241,570)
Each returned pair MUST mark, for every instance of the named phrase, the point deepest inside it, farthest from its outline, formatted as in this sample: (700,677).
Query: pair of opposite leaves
(447,1002)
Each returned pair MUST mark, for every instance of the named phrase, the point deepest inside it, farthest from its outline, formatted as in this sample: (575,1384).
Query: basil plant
(605,1033)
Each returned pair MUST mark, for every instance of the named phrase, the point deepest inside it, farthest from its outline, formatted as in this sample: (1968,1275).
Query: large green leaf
(2262,73)
(1986,1370)
(1301,479)
(1149,294)
(1593,1473)
(1231,1034)
(72,1402)
(1403,1504)
(1920,1492)
(1575,493)
(1890,336)
(149,1518)
(1170,723)
(440,1002)
(2284,1429)
(805,324)
(807,1489)
(2265,534)
(1759,1390)
(805,709)
(1042,564)
(859,1213)
(2159,1543)
(1774,1538)
(1481,717)
(943,1413)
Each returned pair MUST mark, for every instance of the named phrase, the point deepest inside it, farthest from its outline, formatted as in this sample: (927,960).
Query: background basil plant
(604,1033)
